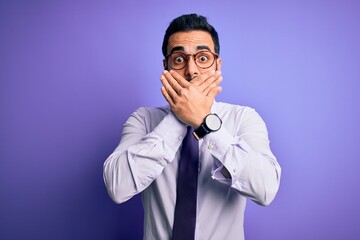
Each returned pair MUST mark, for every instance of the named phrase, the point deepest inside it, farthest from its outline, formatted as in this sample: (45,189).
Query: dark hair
(190,22)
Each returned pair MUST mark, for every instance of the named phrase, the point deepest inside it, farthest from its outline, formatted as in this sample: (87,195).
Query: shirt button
(210,146)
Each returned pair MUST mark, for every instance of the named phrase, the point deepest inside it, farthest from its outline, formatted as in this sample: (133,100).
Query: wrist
(211,123)
(200,120)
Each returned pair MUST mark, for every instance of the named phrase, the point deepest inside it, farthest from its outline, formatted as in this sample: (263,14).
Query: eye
(203,58)
(178,59)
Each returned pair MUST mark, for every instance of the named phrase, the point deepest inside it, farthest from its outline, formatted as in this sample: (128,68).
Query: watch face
(213,122)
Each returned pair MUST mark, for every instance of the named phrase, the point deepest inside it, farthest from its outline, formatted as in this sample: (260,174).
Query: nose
(191,69)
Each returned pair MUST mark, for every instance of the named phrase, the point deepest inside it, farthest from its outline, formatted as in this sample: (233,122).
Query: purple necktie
(185,209)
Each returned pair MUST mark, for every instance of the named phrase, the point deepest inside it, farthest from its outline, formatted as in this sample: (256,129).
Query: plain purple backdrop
(72,72)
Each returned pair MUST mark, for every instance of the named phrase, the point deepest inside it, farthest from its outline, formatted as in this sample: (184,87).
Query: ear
(165,65)
(218,62)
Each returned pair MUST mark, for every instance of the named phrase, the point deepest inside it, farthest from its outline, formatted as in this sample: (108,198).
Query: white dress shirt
(146,161)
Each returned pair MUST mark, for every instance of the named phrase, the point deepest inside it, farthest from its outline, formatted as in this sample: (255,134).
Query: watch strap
(200,132)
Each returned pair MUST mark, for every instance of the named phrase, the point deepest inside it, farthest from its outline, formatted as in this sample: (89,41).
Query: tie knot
(190,129)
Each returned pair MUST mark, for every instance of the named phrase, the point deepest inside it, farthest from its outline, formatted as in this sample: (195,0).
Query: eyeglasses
(179,60)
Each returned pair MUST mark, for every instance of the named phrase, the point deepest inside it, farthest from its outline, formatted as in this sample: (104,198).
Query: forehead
(190,40)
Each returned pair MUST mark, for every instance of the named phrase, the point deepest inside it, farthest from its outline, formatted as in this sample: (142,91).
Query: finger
(214,91)
(173,83)
(168,88)
(213,85)
(179,79)
(200,79)
(167,96)
(213,79)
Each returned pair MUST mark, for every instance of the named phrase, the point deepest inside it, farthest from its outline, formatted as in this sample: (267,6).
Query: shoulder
(149,117)
(228,108)
(151,112)
(237,114)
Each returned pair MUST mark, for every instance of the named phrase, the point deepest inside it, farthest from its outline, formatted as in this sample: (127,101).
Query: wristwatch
(211,123)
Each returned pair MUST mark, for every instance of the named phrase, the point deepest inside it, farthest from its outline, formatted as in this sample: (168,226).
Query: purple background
(72,72)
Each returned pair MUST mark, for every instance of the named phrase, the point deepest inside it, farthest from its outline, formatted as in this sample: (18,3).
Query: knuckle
(176,99)
(192,88)
(184,91)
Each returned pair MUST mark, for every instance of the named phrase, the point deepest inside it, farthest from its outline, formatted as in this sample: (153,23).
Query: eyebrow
(202,47)
(178,48)
(182,49)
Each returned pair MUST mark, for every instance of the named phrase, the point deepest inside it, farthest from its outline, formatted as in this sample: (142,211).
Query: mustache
(189,79)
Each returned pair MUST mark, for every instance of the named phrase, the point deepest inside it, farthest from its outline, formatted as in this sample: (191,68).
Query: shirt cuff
(219,144)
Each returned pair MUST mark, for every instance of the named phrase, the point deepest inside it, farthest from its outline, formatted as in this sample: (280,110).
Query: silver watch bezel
(212,122)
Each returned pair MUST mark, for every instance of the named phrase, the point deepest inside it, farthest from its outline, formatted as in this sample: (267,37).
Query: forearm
(141,157)
(255,175)
(245,162)
(128,172)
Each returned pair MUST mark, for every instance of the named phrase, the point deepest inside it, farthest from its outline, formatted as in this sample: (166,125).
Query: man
(231,150)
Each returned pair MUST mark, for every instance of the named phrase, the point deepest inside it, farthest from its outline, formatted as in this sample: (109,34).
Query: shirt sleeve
(141,155)
(246,155)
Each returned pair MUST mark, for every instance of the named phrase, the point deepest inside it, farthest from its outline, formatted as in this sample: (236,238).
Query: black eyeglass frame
(216,56)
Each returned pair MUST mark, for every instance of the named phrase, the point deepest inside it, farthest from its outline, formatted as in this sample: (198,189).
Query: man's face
(191,43)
